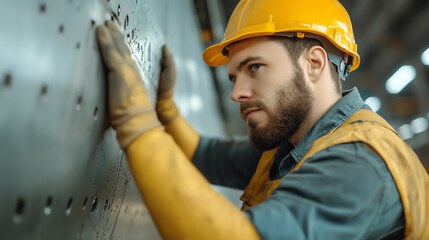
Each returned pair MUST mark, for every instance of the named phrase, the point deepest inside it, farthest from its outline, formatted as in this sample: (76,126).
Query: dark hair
(296,46)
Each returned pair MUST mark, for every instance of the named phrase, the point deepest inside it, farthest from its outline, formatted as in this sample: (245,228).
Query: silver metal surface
(62,173)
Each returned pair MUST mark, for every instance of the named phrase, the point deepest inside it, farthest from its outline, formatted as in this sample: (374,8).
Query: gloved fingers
(168,74)
(118,39)
(167,58)
(110,54)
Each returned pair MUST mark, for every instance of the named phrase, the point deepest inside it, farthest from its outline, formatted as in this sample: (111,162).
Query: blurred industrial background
(393,77)
(62,173)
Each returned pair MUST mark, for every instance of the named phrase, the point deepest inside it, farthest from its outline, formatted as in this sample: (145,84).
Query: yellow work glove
(165,106)
(131,112)
(182,133)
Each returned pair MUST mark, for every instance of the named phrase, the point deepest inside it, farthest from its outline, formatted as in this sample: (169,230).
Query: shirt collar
(343,109)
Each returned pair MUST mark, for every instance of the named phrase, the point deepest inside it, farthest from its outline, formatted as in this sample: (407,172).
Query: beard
(292,103)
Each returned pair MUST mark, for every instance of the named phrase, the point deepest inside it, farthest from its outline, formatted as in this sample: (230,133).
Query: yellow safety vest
(410,177)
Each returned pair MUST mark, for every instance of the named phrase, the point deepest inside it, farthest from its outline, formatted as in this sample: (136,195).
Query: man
(325,167)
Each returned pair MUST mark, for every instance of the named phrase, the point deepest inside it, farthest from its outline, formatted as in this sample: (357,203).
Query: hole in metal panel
(48,208)
(84,203)
(68,208)
(44,90)
(95,113)
(79,103)
(115,17)
(20,205)
(42,8)
(119,10)
(92,23)
(19,210)
(94,204)
(7,80)
(106,203)
(61,29)
(49,201)
(78,45)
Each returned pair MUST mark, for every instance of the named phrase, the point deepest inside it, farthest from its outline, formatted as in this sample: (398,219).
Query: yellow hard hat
(320,19)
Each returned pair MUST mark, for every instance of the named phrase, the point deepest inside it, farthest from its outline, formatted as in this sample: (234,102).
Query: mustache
(251,104)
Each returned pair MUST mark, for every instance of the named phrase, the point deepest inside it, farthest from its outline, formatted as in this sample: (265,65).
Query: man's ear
(316,60)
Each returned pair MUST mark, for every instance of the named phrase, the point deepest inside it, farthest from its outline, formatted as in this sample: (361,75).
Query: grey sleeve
(343,192)
(230,163)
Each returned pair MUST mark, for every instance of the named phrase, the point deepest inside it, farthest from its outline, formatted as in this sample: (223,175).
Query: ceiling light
(400,79)
(405,131)
(374,103)
(425,57)
(419,125)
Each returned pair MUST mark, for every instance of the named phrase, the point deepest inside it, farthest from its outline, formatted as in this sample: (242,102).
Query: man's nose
(241,91)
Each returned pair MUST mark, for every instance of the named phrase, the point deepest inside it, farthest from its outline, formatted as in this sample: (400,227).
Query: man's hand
(168,114)
(165,107)
(131,112)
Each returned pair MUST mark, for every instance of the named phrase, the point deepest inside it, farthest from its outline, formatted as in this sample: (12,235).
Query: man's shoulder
(358,153)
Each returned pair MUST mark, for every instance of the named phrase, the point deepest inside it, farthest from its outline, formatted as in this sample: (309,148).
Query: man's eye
(254,67)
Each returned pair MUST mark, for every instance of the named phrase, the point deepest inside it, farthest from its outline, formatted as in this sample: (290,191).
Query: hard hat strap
(343,69)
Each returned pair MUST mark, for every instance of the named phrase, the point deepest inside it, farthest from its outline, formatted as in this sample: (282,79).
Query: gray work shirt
(342,192)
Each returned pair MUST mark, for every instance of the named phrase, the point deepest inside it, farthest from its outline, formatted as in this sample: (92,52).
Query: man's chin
(255,125)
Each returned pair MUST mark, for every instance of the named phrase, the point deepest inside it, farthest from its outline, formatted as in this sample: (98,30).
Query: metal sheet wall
(62,173)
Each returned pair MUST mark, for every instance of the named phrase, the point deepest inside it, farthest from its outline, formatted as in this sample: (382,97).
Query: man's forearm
(181,201)
(184,135)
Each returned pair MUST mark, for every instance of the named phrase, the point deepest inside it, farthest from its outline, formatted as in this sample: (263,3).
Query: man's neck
(322,104)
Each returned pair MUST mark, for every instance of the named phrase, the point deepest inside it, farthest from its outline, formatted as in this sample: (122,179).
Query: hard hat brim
(213,55)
